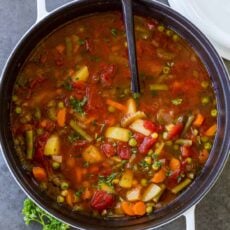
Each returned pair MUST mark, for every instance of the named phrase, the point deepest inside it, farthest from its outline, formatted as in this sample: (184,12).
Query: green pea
(204,84)
(18,110)
(214,112)
(169,33)
(61,105)
(132,142)
(111,109)
(175,37)
(205,100)
(166,70)
(60,199)
(56,165)
(64,185)
(161,28)
(144,182)
(207,145)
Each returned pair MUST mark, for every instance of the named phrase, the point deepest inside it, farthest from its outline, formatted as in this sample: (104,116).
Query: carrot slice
(61,117)
(39,174)
(70,199)
(211,131)
(87,194)
(203,156)
(78,174)
(116,105)
(199,120)
(159,176)
(139,208)
(127,208)
(174,164)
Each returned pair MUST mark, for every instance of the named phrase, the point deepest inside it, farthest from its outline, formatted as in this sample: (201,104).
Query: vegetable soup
(92,145)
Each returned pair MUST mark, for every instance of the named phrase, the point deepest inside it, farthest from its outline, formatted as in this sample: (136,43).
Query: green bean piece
(29,144)
(185,142)
(73,124)
(181,186)
(158,87)
(187,124)
(69,47)
(37,113)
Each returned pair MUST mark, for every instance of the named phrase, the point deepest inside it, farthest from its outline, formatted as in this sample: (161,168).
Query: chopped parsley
(114,32)
(78,105)
(67,84)
(73,137)
(107,180)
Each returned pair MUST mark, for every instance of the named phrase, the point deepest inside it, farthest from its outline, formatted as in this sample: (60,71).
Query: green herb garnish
(32,213)
(177,101)
(78,105)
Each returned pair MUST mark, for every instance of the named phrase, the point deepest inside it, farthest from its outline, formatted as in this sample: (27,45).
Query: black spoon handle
(129,27)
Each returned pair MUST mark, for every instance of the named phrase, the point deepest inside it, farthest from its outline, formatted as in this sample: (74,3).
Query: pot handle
(190,218)
(41,10)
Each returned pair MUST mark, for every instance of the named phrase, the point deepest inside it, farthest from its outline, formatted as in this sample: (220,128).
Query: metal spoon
(129,27)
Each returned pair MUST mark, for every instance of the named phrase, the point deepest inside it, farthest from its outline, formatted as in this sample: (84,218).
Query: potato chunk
(118,133)
(138,126)
(92,155)
(126,179)
(151,191)
(52,146)
(81,75)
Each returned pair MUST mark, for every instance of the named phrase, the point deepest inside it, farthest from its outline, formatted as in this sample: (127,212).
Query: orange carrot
(116,105)
(60,48)
(139,208)
(94,169)
(78,174)
(89,120)
(199,120)
(87,194)
(39,174)
(174,164)
(43,123)
(203,156)
(70,162)
(61,117)
(70,199)
(159,176)
(211,131)
(127,208)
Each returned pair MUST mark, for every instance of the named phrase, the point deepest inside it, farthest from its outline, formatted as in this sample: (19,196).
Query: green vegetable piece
(158,87)
(204,84)
(32,213)
(181,186)
(175,37)
(114,32)
(205,100)
(73,124)
(60,199)
(185,142)
(37,113)
(78,105)
(56,165)
(214,112)
(207,145)
(29,144)
(177,101)
(132,142)
(64,185)
(69,47)
(188,124)
(166,70)
(18,110)
(161,28)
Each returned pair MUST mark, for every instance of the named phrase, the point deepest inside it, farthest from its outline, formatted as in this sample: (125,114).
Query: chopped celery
(181,186)
(29,144)
(158,87)
(73,124)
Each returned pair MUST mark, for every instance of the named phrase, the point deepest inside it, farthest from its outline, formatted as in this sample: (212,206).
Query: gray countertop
(16,16)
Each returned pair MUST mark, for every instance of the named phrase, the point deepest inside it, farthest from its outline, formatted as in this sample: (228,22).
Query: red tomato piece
(102,200)
(39,147)
(139,137)
(147,144)
(150,126)
(107,75)
(185,151)
(108,149)
(123,151)
(175,131)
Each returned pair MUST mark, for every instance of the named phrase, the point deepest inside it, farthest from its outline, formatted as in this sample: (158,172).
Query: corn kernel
(154,135)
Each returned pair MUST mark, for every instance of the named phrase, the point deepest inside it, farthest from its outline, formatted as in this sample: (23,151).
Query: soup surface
(92,145)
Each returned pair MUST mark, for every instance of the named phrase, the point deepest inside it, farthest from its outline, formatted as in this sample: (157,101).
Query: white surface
(190,218)
(212,17)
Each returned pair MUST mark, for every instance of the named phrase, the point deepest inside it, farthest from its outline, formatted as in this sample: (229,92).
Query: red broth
(92,145)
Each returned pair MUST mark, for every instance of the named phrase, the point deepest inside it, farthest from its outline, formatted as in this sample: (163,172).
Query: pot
(183,204)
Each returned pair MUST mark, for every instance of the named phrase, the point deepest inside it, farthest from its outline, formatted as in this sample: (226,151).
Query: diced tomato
(123,151)
(147,144)
(94,100)
(139,137)
(108,149)
(107,75)
(36,82)
(150,126)
(102,200)
(39,147)
(172,180)
(80,89)
(185,151)
(175,131)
